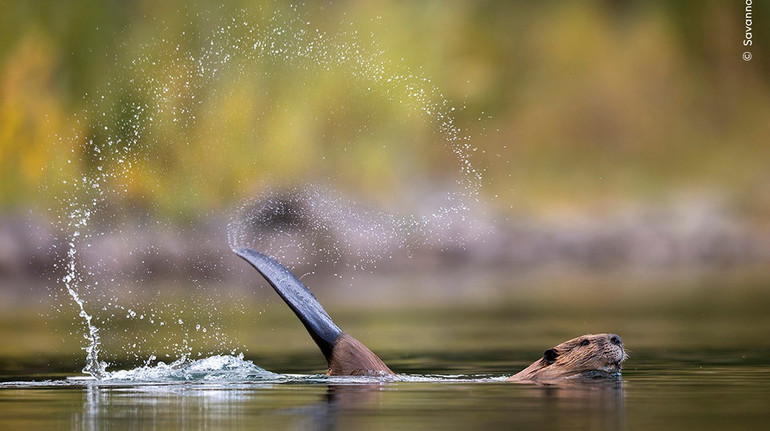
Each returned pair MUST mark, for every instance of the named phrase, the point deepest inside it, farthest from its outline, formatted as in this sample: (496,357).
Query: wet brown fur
(598,355)
(350,357)
(587,356)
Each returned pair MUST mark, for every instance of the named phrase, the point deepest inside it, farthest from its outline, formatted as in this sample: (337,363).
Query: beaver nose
(614,339)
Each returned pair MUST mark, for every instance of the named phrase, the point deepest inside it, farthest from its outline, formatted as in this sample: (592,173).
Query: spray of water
(317,223)
(71,283)
(338,226)
(86,198)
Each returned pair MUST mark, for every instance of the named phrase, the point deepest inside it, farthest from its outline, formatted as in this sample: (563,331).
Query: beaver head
(592,356)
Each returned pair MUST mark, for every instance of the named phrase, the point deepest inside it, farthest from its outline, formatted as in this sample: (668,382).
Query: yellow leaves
(564,101)
(30,116)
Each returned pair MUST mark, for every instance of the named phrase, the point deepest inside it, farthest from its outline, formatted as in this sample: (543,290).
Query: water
(152,107)
(659,390)
(667,385)
(697,361)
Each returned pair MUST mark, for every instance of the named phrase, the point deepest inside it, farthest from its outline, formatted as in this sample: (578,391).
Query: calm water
(698,360)
(687,389)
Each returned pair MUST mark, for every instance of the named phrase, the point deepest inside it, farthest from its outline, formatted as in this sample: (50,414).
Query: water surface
(698,360)
(659,390)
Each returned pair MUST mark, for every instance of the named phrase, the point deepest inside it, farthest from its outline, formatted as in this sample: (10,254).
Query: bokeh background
(623,145)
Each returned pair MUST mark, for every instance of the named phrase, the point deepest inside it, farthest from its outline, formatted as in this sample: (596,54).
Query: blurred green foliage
(568,103)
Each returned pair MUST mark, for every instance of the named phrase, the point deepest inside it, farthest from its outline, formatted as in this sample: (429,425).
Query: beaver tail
(345,354)
(301,301)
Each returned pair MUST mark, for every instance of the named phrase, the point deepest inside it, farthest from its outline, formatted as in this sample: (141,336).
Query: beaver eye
(584,343)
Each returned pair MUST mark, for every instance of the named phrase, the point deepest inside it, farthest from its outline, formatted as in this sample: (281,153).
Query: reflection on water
(701,366)
(227,406)
(594,405)
(665,390)
(171,406)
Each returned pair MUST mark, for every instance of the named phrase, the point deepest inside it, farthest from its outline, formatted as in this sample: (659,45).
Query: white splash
(290,39)
(218,368)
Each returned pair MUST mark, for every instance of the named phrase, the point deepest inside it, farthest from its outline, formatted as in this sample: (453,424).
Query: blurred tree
(569,103)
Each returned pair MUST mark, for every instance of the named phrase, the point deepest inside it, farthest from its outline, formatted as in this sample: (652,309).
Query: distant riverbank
(666,240)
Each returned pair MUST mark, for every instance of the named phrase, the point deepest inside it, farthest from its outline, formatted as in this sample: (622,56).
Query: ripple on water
(227,369)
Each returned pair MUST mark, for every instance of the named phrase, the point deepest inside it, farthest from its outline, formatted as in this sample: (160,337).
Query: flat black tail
(317,322)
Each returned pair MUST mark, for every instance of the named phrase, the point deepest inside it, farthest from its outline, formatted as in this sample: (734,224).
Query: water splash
(85,199)
(93,365)
(218,368)
(316,223)
(236,369)
(342,226)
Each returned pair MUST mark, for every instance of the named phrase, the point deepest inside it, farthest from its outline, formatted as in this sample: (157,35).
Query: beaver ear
(550,355)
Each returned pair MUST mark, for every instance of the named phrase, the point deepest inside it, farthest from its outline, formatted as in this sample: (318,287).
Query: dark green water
(699,360)
(661,390)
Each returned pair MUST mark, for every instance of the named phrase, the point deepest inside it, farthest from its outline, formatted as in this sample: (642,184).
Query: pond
(693,365)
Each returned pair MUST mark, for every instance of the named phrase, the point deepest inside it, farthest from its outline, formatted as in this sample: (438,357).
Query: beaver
(593,356)
(587,356)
